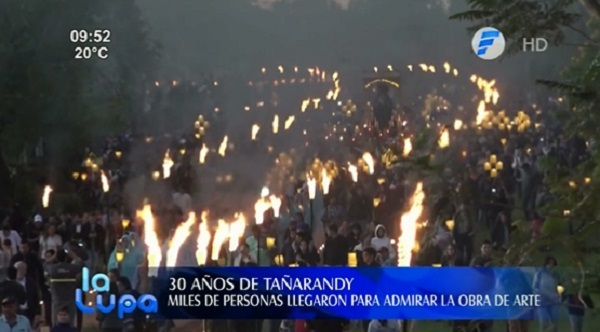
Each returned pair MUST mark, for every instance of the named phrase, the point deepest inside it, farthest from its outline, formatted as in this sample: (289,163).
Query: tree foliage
(577,188)
(52,100)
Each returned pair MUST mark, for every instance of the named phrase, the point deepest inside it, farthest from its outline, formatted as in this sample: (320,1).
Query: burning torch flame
(154,255)
(255,129)
(289,121)
(458,124)
(275,124)
(408,225)
(46,196)
(236,231)
(275,204)
(220,237)
(203,153)
(182,232)
(406,150)
(353,172)
(311,182)
(223,146)
(203,240)
(325,181)
(444,140)
(305,104)
(167,164)
(481,112)
(105,184)
(368,159)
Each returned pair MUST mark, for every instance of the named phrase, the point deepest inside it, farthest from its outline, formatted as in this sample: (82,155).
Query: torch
(312,193)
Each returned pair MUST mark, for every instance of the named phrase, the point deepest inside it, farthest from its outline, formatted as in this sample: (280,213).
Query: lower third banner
(350,293)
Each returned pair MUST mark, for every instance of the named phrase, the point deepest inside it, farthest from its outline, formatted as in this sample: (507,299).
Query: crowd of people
(42,256)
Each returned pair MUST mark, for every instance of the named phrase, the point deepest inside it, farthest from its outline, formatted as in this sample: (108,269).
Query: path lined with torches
(317,178)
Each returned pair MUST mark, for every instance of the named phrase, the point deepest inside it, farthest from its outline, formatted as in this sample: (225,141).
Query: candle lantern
(118,154)
(493,173)
(279,260)
(155,175)
(352,259)
(436,265)
(560,289)
(75,175)
(125,223)
(450,224)
(487,166)
(270,242)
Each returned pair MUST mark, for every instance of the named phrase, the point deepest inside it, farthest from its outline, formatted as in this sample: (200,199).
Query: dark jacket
(335,251)
(64,327)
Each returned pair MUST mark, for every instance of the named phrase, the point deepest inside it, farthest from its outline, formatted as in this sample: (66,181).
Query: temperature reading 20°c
(87,52)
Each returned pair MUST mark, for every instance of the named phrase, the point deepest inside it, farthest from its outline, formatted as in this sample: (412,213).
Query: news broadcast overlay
(349,293)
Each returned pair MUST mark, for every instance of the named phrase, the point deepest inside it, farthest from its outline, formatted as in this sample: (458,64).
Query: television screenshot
(299,165)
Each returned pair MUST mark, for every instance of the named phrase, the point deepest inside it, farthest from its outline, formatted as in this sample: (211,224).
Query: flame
(325,181)
(444,140)
(447,67)
(203,240)
(220,237)
(236,231)
(490,92)
(275,204)
(105,183)
(481,112)
(264,192)
(289,121)
(280,68)
(182,232)
(223,146)
(458,124)
(407,147)
(408,226)
(154,254)
(203,153)
(368,159)
(353,172)
(255,129)
(275,124)
(316,101)
(167,164)
(46,196)
(311,182)
(305,104)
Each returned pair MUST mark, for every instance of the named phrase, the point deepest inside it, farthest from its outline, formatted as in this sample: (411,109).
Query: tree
(48,97)
(577,187)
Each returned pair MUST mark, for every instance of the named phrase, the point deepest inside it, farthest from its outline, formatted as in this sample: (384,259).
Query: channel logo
(488,43)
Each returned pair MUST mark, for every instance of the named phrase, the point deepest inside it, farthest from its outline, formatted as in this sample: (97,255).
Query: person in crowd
(381,240)
(110,322)
(135,321)
(369,256)
(546,284)
(354,236)
(79,230)
(384,325)
(31,307)
(463,233)
(384,258)
(577,305)
(63,322)
(50,240)
(244,258)
(335,250)
(501,231)
(32,232)
(485,255)
(290,246)
(361,206)
(11,321)
(451,258)
(306,255)
(9,234)
(33,262)
(335,212)
(7,253)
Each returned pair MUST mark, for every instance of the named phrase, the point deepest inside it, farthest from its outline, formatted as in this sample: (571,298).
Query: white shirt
(50,242)
(14,237)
